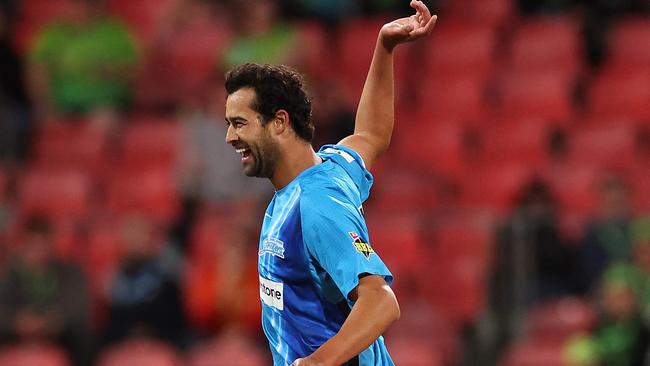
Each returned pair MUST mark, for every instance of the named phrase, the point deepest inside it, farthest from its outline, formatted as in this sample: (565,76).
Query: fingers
(421,31)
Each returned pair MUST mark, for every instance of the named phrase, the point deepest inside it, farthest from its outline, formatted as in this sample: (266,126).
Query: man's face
(259,152)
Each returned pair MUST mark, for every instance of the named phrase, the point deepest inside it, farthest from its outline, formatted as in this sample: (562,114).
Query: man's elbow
(392,309)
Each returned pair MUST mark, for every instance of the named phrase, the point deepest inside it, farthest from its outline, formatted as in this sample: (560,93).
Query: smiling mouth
(245,154)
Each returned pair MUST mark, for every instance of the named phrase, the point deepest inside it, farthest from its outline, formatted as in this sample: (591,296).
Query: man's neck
(295,159)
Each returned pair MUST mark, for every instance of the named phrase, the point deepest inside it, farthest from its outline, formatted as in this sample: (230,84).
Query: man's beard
(265,157)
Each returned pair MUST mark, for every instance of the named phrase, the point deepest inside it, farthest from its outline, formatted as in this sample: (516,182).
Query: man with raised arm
(325,293)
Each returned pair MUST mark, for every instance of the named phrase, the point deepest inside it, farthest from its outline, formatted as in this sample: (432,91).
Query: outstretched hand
(408,29)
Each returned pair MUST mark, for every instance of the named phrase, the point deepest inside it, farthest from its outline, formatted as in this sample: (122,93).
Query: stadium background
(510,205)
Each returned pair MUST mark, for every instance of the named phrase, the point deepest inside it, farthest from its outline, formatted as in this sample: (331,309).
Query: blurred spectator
(533,260)
(641,244)
(210,170)
(222,289)
(44,299)
(144,298)
(620,337)
(14,103)
(262,37)
(82,63)
(607,237)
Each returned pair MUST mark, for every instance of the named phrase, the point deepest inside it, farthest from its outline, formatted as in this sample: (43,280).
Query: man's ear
(281,121)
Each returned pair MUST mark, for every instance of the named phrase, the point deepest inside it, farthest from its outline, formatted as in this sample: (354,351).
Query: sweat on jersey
(313,247)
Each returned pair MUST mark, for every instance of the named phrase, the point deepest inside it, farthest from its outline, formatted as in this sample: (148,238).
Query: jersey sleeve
(352,163)
(336,236)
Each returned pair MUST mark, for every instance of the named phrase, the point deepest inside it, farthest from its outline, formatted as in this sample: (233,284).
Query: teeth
(240,151)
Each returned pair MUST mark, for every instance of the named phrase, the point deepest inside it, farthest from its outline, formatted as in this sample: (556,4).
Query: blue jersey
(313,248)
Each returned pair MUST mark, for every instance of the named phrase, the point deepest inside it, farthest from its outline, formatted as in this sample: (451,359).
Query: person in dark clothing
(15,108)
(45,299)
(144,297)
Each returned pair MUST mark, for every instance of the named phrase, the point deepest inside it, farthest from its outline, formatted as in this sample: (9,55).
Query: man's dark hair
(276,87)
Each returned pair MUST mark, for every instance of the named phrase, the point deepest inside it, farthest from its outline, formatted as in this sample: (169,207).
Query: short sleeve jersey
(313,249)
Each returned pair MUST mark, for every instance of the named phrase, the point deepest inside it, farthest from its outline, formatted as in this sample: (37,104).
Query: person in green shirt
(83,62)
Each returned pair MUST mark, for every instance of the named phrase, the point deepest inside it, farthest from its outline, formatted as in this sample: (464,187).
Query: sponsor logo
(273,246)
(272,293)
(361,246)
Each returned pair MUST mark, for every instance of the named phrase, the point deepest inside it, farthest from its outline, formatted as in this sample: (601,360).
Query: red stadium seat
(495,186)
(144,16)
(603,145)
(151,142)
(535,353)
(560,319)
(574,186)
(399,190)
(620,93)
(33,354)
(626,47)
(58,194)
(356,50)
(428,143)
(397,240)
(547,45)
(495,13)
(102,254)
(415,352)
(150,191)
(455,97)
(460,48)
(536,95)
(222,352)
(140,353)
(71,145)
(461,261)
(34,15)
(518,141)
(194,54)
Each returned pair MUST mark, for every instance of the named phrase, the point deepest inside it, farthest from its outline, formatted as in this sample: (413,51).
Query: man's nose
(231,136)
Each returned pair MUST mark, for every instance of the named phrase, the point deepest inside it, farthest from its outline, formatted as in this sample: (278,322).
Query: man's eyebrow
(235,119)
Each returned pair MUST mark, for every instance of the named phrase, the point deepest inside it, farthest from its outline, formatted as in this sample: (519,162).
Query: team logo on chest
(361,246)
(273,246)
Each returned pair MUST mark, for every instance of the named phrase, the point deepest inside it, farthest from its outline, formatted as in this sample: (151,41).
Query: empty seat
(139,353)
(537,95)
(356,49)
(58,194)
(144,16)
(151,141)
(71,144)
(149,191)
(34,15)
(518,141)
(460,48)
(33,354)
(455,97)
(574,186)
(629,44)
(222,352)
(397,240)
(620,92)
(547,44)
(603,145)
(535,353)
(560,319)
(495,13)
(415,352)
(495,186)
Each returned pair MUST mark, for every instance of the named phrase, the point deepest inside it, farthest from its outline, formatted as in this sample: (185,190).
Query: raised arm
(375,115)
